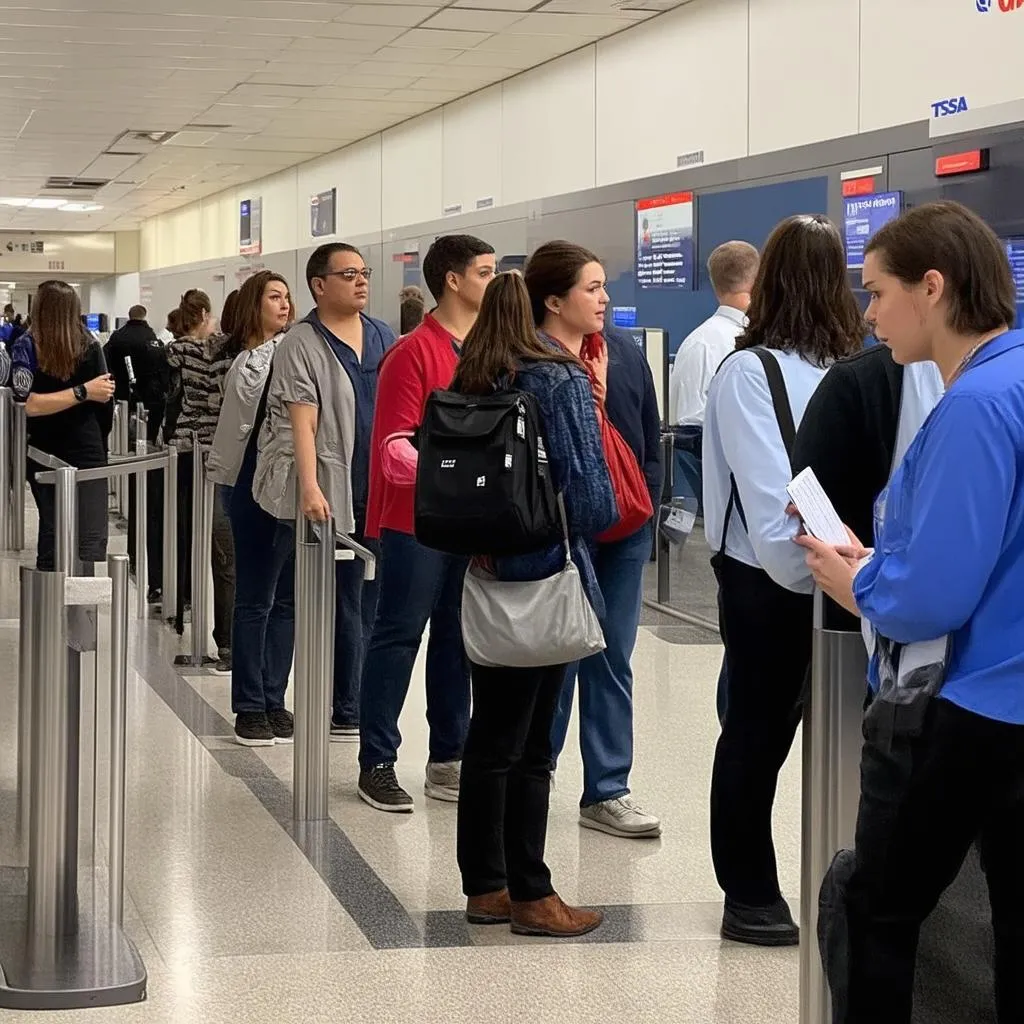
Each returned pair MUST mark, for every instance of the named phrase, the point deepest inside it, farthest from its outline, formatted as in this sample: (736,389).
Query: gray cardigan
(307,372)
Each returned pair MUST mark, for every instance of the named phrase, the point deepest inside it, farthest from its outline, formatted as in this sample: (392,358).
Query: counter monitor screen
(664,241)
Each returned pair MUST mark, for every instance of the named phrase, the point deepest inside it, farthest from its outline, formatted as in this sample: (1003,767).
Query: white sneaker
(442,782)
(620,817)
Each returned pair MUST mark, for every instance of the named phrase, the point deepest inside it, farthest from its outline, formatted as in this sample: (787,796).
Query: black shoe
(154,595)
(222,667)
(344,732)
(760,926)
(379,788)
(282,724)
(252,729)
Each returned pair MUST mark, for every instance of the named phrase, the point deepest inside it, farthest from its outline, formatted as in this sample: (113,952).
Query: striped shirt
(202,368)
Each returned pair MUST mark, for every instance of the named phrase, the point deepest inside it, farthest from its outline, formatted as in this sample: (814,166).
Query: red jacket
(420,363)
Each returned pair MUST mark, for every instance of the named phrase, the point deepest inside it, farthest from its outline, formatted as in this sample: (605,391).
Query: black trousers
(925,799)
(154,508)
(767,634)
(92,520)
(506,781)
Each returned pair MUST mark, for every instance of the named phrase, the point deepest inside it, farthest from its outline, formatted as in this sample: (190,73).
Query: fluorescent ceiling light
(14,201)
(80,207)
(50,204)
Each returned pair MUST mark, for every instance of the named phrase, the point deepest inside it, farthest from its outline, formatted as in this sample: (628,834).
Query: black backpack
(483,484)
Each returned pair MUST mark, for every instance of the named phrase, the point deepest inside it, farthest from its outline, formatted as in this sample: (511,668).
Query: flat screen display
(322,216)
(92,321)
(664,241)
(1015,254)
(863,216)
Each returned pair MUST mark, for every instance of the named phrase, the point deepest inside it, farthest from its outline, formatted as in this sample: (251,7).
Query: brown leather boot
(491,908)
(551,917)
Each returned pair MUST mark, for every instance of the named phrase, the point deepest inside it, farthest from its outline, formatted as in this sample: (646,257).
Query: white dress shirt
(742,438)
(697,359)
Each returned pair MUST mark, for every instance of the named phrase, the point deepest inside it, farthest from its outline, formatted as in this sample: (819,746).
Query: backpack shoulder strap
(780,397)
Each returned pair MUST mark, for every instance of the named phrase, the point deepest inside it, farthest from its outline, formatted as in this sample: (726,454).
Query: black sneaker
(252,729)
(344,732)
(222,667)
(282,724)
(154,595)
(379,788)
(760,926)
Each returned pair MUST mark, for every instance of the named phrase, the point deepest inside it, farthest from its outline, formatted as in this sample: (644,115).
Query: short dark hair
(451,254)
(320,262)
(553,269)
(137,313)
(949,238)
(802,301)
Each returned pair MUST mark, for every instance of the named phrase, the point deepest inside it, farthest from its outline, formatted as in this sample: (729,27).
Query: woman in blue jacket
(943,758)
(506,766)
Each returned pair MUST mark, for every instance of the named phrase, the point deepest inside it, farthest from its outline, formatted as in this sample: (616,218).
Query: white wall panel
(804,72)
(472,150)
(356,173)
(913,54)
(280,230)
(411,159)
(672,86)
(548,129)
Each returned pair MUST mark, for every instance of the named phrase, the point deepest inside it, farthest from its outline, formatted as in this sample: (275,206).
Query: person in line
(506,768)
(263,624)
(59,374)
(803,317)
(943,767)
(566,284)
(198,366)
(412,308)
(732,267)
(417,584)
(317,435)
(227,326)
(171,329)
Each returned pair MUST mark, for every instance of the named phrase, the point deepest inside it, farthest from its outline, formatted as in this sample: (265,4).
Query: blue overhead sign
(862,218)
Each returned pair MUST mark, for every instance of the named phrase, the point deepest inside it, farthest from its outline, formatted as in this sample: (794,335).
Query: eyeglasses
(350,274)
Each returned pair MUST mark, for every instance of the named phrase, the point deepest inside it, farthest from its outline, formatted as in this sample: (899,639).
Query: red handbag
(631,494)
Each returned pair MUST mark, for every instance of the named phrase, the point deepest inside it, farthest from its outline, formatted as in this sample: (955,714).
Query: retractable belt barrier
(316,550)
(833,712)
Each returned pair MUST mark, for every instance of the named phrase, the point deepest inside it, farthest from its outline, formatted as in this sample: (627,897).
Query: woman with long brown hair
(59,373)
(506,766)
(803,317)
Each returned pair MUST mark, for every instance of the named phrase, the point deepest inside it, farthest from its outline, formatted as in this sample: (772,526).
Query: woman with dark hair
(567,293)
(803,317)
(59,374)
(263,626)
(506,766)
(939,597)
(229,315)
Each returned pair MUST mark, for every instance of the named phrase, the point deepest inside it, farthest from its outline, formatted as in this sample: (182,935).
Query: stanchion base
(187,661)
(99,966)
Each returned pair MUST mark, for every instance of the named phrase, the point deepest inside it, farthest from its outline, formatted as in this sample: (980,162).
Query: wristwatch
(80,392)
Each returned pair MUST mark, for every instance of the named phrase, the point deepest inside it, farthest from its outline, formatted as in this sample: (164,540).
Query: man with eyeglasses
(325,383)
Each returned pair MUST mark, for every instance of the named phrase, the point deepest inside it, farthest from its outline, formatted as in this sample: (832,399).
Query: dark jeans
(263,634)
(688,468)
(92,520)
(417,585)
(924,800)
(222,557)
(506,782)
(355,610)
(767,634)
(606,678)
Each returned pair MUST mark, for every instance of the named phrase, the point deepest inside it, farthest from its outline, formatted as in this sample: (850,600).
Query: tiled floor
(241,916)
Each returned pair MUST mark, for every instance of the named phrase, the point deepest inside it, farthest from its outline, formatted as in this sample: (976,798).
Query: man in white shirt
(732,268)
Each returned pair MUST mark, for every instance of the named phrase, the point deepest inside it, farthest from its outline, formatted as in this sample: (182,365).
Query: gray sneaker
(443,781)
(621,817)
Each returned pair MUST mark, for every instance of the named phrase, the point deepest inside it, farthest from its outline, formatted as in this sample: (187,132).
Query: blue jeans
(417,585)
(606,679)
(355,609)
(263,632)
(688,470)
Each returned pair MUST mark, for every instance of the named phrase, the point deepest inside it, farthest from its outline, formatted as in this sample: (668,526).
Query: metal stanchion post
(314,664)
(664,551)
(169,600)
(117,567)
(6,459)
(141,541)
(19,475)
(26,675)
(200,558)
(65,521)
(123,449)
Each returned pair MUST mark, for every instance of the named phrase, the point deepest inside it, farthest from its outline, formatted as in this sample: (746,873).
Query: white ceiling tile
(295,74)
(543,47)
(468,73)
(498,5)
(380,14)
(465,86)
(347,32)
(567,25)
(473,21)
(435,37)
(405,57)
(513,62)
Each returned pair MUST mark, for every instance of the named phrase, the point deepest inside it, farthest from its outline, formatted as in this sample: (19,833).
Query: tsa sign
(862,218)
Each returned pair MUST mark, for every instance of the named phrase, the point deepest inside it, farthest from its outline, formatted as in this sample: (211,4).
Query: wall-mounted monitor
(95,322)
(664,241)
(1015,254)
(863,216)
(250,227)
(323,213)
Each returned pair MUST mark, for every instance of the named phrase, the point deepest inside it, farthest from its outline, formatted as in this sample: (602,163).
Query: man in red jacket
(417,584)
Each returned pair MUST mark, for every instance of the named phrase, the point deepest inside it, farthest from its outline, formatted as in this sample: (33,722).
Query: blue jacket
(632,405)
(578,468)
(949,536)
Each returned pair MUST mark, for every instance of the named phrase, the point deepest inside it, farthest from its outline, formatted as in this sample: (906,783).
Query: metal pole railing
(123,448)
(170,557)
(314,665)
(202,529)
(26,675)
(664,551)
(19,474)
(6,460)
(833,710)
(65,520)
(140,483)
(117,567)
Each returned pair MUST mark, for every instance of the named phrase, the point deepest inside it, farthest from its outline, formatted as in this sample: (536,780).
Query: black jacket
(137,340)
(848,437)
